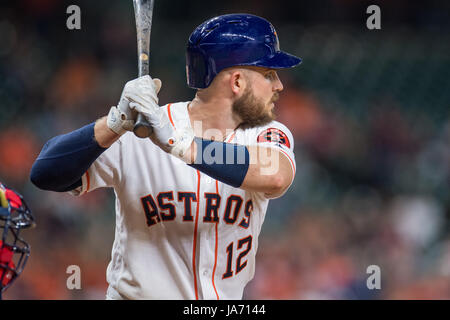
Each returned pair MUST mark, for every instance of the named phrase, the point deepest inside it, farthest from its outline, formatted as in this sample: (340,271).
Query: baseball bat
(143,12)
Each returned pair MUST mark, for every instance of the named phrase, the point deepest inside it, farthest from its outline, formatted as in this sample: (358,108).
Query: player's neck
(209,116)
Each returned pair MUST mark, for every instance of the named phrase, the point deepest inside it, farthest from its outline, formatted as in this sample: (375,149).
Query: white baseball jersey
(179,233)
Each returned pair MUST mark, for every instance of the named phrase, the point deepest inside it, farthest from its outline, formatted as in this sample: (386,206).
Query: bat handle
(142,128)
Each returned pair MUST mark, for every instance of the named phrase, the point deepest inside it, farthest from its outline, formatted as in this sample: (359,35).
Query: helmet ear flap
(196,69)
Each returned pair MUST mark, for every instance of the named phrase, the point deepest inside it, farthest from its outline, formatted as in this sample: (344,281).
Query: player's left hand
(164,135)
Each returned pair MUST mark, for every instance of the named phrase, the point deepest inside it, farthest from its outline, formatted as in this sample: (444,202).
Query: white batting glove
(164,135)
(142,99)
(143,90)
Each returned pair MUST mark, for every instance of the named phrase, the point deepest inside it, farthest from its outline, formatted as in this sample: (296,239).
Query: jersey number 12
(245,242)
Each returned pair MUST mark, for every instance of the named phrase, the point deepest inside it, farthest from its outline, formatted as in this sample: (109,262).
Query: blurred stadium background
(369,111)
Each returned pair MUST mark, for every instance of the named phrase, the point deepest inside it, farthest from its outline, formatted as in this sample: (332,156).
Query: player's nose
(277,84)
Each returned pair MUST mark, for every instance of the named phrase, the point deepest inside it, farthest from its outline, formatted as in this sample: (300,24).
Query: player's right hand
(144,91)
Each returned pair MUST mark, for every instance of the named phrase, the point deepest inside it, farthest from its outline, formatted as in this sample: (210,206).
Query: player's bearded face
(254,111)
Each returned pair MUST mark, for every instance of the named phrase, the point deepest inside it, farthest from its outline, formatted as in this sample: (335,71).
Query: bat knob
(142,128)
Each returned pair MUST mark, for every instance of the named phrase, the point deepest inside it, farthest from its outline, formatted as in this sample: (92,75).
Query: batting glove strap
(181,142)
(116,121)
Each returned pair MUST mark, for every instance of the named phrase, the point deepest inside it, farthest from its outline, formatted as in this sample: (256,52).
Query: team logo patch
(274,135)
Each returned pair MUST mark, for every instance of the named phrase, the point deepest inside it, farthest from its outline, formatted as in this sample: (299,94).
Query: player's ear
(238,81)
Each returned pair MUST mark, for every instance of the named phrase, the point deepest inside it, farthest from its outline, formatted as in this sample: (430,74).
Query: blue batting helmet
(233,40)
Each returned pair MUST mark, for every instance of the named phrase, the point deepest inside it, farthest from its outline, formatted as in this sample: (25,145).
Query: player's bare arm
(103,134)
(269,170)
(280,175)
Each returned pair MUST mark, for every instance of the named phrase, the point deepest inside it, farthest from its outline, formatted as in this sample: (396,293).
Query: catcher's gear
(14,251)
(233,40)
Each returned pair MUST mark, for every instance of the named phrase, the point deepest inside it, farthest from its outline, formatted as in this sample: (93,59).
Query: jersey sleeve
(277,136)
(104,171)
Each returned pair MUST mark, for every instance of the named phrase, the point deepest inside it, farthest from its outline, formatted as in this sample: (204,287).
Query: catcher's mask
(14,251)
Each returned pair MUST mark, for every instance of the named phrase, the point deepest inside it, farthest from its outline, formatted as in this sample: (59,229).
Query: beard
(252,111)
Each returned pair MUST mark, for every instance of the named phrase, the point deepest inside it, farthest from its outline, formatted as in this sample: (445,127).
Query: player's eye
(270,75)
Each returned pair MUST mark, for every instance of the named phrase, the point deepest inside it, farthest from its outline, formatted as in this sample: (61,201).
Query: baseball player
(191,199)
